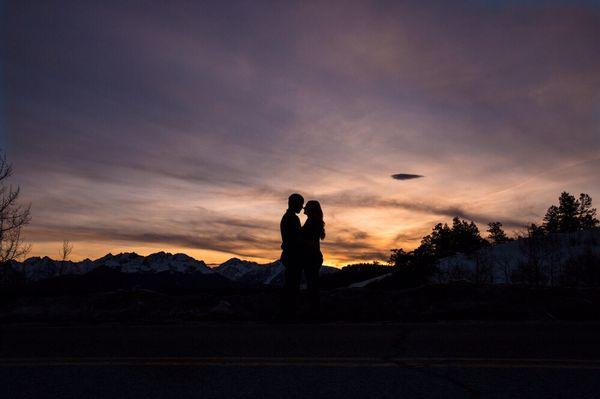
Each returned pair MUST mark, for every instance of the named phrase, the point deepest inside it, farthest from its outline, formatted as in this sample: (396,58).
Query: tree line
(570,215)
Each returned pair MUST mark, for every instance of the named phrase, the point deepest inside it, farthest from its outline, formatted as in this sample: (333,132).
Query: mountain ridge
(234,269)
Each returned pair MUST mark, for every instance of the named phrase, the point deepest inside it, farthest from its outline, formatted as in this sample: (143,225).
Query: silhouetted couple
(301,253)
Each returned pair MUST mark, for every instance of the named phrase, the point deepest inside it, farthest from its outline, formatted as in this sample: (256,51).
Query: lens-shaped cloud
(405,176)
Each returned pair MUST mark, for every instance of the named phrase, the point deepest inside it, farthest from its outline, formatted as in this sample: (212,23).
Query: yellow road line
(302,362)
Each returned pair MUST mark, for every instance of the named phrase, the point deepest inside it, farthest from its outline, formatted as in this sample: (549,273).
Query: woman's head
(313,211)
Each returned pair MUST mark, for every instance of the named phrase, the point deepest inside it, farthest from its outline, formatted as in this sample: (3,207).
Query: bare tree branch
(5,168)
(13,217)
(65,251)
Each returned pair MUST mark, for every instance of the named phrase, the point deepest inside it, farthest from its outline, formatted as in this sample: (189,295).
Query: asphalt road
(440,360)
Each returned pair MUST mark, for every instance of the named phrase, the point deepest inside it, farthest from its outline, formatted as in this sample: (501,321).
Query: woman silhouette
(313,232)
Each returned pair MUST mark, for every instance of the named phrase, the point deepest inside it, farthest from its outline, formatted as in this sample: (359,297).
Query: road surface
(219,360)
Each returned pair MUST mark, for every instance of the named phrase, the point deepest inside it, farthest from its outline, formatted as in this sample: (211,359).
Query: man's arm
(295,231)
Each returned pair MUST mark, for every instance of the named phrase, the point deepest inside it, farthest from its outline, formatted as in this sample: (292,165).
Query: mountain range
(161,263)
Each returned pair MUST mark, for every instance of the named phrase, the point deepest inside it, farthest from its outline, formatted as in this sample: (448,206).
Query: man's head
(295,202)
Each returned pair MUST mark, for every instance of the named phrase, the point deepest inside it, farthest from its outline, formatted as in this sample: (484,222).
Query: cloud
(350,200)
(405,176)
(231,242)
(129,127)
(360,235)
(348,251)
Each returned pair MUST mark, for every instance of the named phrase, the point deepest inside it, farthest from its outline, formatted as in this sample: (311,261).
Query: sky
(183,126)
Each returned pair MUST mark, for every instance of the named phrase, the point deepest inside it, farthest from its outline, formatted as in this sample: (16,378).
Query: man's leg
(291,287)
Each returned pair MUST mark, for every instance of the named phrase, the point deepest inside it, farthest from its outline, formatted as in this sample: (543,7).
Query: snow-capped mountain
(130,262)
(36,268)
(253,273)
(237,270)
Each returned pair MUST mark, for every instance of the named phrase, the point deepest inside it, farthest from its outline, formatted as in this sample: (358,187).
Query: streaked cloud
(186,125)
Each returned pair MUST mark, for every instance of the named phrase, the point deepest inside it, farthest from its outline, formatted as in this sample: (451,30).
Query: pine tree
(571,214)
(496,234)
(551,220)
(585,213)
(400,258)
(568,208)
(465,236)
(536,231)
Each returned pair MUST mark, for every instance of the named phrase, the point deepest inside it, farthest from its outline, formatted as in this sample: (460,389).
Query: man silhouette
(291,245)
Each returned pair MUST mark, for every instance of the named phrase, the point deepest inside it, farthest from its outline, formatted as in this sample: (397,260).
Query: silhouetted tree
(567,213)
(438,243)
(444,241)
(13,217)
(412,268)
(571,214)
(535,231)
(585,213)
(465,236)
(400,258)
(496,233)
(65,252)
(551,220)
(418,266)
